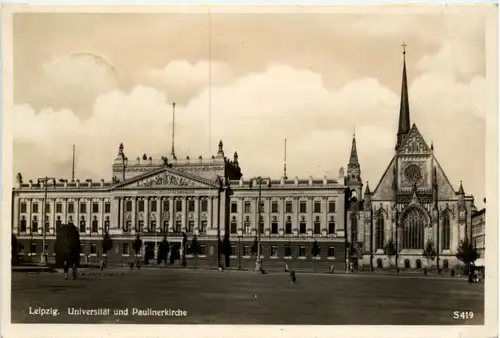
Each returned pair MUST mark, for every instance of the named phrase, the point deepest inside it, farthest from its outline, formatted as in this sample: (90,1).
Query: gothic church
(413,206)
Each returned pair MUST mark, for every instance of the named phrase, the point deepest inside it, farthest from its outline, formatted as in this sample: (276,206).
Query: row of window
(166,205)
(288,227)
(247,207)
(34,225)
(418,264)
(71,207)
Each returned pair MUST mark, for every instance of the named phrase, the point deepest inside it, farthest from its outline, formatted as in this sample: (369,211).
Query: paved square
(232,297)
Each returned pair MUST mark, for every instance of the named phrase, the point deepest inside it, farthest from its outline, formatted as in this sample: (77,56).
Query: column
(119,212)
(134,215)
(41,218)
(76,202)
(64,216)
(172,213)
(209,212)
(100,228)
(325,217)
(184,214)
(52,217)
(281,223)
(197,214)
(146,217)
(28,217)
(310,215)
(159,206)
(241,209)
(255,210)
(295,219)
(89,216)
(267,215)
(15,216)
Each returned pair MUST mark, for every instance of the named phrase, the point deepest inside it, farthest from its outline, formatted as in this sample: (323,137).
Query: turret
(353,178)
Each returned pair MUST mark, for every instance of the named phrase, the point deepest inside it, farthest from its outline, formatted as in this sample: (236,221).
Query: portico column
(196,214)
(281,223)
(52,216)
(310,222)
(134,215)
(100,228)
(184,214)
(172,214)
(88,222)
(146,215)
(209,218)
(325,216)
(296,220)
(29,217)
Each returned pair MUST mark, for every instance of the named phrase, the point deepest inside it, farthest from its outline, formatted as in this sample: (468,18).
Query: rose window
(413,173)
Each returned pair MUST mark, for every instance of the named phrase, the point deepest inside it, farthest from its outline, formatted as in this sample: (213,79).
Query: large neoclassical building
(412,204)
(169,197)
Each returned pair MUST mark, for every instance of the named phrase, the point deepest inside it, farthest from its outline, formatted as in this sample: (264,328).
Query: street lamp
(45,181)
(258,261)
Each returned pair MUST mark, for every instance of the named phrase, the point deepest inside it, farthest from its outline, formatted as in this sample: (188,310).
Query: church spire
(353,159)
(404,109)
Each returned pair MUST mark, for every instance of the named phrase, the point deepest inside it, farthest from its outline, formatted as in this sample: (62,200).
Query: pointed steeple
(461,189)
(404,108)
(353,159)
(367,189)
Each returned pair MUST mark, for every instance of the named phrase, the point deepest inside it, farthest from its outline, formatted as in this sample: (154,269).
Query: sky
(95,80)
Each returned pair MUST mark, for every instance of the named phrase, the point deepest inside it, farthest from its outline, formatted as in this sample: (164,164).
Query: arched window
(379,232)
(413,228)
(354,227)
(419,264)
(379,263)
(407,263)
(445,243)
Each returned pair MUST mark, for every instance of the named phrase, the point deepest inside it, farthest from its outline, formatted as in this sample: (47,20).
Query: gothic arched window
(354,227)
(445,243)
(379,232)
(413,228)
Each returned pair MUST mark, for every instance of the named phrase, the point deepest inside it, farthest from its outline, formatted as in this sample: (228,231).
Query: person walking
(65,266)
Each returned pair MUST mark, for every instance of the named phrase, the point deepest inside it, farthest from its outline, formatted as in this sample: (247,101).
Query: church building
(414,207)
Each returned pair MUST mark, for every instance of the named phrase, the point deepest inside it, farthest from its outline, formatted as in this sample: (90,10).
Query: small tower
(119,164)
(220,151)
(353,177)
(235,158)
(368,197)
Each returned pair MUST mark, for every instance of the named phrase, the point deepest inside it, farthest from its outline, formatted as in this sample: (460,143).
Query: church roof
(404,108)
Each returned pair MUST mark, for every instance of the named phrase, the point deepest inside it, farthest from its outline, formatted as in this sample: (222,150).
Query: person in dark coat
(66,268)
(293,278)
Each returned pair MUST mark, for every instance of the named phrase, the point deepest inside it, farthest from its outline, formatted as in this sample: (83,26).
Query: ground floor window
(82,225)
(140,226)
(379,263)
(93,249)
(317,228)
(165,226)
(152,226)
(302,251)
(178,226)
(23,225)
(234,225)
(288,251)
(94,226)
(274,228)
(419,264)
(288,228)
(82,249)
(407,264)
(33,248)
(302,229)
(128,225)
(20,248)
(203,227)
(203,250)
(274,251)
(445,264)
(331,227)
(331,251)
(246,250)
(125,249)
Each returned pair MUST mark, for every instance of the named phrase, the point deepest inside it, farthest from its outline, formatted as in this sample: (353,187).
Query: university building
(169,197)
(412,205)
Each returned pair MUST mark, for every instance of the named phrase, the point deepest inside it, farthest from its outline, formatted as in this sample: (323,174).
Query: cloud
(72,81)
(457,57)
(253,114)
(183,80)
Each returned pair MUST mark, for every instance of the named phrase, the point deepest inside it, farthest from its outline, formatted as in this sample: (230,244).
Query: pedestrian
(293,278)
(74,271)
(65,270)
(332,268)
(287,269)
(452,272)
(102,264)
(425,271)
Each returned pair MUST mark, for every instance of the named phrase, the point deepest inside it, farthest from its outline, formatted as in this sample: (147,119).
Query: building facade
(413,207)
(168,197)
(478,231)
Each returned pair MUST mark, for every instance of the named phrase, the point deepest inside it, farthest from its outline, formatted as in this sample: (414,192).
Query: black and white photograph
(278,166)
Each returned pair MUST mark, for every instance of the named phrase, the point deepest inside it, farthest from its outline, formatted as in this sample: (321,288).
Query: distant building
(478,231)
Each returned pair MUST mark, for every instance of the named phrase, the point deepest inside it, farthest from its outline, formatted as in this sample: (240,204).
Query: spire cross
(404,45)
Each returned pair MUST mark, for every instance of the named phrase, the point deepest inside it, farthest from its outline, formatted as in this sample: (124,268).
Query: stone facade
(170,197)
(414,204)
(478,231)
